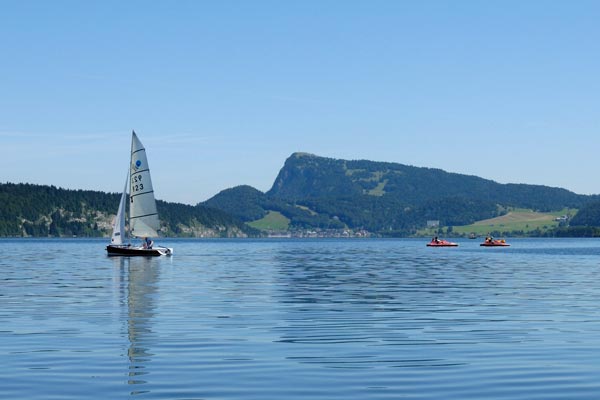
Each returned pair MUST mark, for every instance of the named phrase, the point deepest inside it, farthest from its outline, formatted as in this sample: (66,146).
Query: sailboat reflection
(138,289)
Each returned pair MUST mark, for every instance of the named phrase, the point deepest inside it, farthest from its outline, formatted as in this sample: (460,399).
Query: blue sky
(222,92)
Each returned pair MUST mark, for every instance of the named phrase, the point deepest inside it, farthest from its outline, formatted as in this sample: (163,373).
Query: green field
(273,221)
(515,220)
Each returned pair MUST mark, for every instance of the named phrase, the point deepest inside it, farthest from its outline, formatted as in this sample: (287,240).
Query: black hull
(124,250)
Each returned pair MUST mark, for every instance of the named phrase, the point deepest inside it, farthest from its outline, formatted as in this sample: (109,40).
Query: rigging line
(139,194)
(141,216)
(140,171)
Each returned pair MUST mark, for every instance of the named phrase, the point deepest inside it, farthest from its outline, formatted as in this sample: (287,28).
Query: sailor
(147,243)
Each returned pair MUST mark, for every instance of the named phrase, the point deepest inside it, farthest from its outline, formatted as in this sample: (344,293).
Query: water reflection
(139,278)
(422,307)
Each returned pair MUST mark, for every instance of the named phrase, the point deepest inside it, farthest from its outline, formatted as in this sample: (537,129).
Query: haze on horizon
(221,93)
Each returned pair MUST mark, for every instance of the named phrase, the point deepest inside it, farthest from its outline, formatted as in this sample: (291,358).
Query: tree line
(41,211)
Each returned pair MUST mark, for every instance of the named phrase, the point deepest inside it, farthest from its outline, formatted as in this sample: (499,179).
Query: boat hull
(495,244)
(132,251)
(442,244)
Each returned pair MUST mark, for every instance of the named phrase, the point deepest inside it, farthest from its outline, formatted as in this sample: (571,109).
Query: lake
(301,319)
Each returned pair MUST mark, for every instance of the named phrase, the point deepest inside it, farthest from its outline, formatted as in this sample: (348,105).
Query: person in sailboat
(147,243)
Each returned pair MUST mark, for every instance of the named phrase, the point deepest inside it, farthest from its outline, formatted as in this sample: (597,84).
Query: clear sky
(222,92)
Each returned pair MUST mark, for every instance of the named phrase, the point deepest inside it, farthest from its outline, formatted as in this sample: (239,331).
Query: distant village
(320,233)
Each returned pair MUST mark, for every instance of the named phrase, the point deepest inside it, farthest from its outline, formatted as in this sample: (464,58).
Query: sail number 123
(136,183)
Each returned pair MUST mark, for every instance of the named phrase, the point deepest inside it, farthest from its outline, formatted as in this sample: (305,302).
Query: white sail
(143,217)
(119,225)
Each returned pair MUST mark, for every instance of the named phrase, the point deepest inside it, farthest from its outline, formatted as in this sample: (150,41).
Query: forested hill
(385,197)
(37,210)
(308,176)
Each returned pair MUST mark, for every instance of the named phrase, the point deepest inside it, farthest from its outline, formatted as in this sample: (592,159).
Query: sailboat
(143,215)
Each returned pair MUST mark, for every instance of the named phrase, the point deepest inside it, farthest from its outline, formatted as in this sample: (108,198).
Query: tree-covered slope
(245,202)
(38,210)
(250,204)
(589,215)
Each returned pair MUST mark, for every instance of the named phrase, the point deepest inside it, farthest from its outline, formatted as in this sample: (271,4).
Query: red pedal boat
(494,243)
(441,243)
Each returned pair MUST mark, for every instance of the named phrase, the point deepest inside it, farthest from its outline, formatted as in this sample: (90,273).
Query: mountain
(38,210)
(308,176)
(384,197)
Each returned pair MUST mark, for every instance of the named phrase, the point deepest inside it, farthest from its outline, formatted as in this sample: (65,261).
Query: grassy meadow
(515,220)
(273,221)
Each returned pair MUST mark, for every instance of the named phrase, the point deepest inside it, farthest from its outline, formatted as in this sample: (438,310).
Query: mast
(119,225)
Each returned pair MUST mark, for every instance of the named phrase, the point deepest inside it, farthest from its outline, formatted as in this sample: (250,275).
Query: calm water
(300,319)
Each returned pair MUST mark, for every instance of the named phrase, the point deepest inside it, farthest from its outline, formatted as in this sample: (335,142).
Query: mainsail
(143,217)
(119,226)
